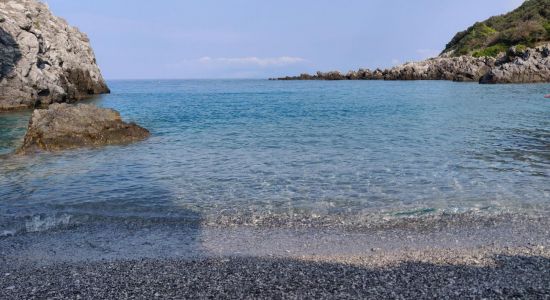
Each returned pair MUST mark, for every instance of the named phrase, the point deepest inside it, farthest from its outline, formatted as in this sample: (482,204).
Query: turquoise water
(253,149)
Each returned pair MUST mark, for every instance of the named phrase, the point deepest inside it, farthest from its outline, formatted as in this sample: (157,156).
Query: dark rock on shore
(43,60)
(64,126)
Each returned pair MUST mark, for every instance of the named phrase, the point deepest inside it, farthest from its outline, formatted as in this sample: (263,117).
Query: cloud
(236,67)
(395,62)
(427,53)
(252,61)
(203,36)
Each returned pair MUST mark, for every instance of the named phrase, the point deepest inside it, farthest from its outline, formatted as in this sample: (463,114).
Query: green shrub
(492,51)
(521,48)
(547,28)
(527,25)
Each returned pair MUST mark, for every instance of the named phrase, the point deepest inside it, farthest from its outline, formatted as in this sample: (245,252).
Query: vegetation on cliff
(526,26)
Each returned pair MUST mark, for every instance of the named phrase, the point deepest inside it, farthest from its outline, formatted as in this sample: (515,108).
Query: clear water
(254,148)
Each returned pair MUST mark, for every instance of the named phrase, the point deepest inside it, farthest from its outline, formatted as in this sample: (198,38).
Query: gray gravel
(505,258)
(520,274)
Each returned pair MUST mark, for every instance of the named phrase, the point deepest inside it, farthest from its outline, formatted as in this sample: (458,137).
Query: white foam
(6,233)
(39,223)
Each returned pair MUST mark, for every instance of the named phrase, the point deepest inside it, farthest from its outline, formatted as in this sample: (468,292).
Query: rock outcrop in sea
(463,68)
(64,126)
(517,65)
(43,60)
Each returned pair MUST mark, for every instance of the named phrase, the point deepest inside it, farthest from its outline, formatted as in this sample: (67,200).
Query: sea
(273,153)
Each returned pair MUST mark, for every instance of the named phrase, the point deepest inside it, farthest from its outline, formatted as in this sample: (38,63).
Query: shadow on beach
(102,238)
(128,219)
(246,277)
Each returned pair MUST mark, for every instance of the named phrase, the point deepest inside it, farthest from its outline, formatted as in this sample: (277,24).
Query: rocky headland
(64,126)
(510,48)
(517,65)
(43,60)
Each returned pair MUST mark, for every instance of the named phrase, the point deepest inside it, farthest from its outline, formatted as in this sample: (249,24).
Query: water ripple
(248,148)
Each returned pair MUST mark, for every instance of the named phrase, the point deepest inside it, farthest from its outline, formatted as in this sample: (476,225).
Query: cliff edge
(43,60)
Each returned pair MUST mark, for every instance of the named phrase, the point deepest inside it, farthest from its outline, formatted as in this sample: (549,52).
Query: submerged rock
(43,60)
(64,126)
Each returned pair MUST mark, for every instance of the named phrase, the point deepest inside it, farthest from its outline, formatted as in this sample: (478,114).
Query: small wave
(40,223)
(349,220)
(358,220)
(6,233)
(36,223)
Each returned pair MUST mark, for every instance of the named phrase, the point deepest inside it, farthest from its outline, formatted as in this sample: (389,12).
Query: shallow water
(251,149)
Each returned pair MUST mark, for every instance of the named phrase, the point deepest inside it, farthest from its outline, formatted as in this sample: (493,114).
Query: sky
(183,39)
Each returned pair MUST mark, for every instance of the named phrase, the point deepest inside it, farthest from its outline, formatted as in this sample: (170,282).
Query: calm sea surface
(250,149)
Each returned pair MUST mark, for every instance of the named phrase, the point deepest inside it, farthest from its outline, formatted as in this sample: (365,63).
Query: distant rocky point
(511,48)
(517,65)
(64,126)
(43,60)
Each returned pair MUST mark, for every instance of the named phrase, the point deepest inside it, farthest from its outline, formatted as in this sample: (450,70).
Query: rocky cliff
(43,59)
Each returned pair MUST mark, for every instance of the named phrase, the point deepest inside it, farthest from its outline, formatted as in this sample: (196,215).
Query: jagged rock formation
(464,68)
(521,66)
(516,66)
(64,126)
(43,60)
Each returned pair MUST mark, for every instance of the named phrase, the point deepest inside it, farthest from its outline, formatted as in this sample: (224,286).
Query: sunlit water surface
(247,149)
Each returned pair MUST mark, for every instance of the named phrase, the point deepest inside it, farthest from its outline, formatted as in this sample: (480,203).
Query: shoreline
(462,256)
(418,219)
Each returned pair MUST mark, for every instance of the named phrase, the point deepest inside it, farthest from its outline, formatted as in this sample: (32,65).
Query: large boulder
(64,126)
(43,60)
